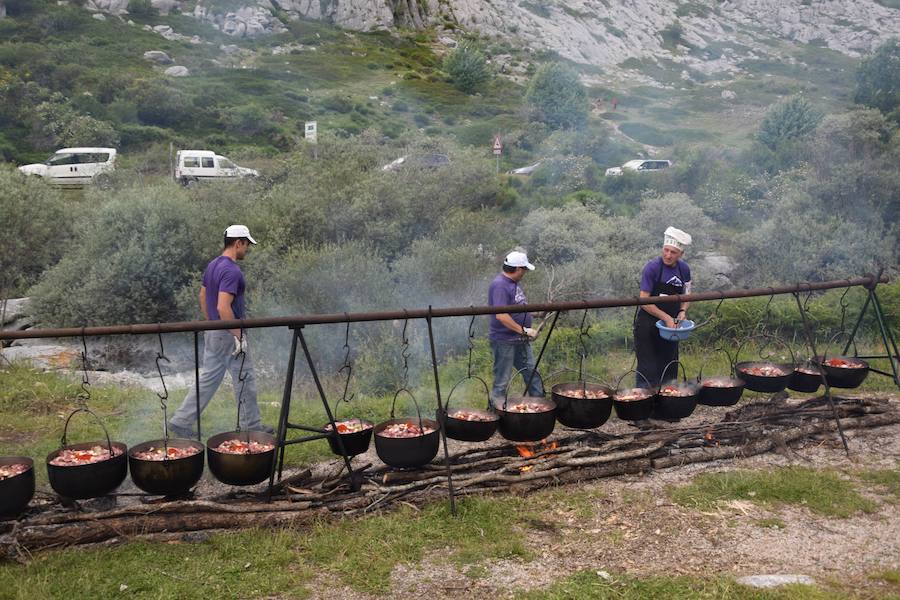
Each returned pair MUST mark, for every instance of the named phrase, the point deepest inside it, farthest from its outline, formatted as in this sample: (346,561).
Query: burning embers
(75,458)
(7,471)
(169,453)
(536,449)
(405,430)
(241,447)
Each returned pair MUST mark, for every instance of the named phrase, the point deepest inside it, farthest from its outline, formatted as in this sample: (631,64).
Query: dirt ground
(635,529)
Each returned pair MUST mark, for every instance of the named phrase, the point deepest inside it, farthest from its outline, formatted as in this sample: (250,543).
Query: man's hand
(669,322)
(530,333)
(240,345)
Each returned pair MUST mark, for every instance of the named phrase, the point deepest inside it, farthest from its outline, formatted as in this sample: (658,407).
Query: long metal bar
(812,346)
(354,483)
(301,320)
(442,417)
(285,410)
(197,380)
(859,320)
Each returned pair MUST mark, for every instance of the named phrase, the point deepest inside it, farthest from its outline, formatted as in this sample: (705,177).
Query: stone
(728,95)
(177,71)
(2,9)
(771,581)
(165,6)
(16,308)
(158,56)
(45,356)
(98,16)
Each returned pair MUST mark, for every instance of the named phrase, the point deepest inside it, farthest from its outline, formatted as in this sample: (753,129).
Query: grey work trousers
(217,348)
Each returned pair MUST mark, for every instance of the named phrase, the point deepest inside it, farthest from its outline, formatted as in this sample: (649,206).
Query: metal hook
(718,306)
(85,394)
(582,334)
(161,356)
(404,349)
(347,366)
(471,343)
(844,306)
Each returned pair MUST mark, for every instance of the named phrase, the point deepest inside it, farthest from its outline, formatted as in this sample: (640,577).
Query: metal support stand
(318,433)
(541,354)
(197,380)
(887,337)
(442,415)
(812,346)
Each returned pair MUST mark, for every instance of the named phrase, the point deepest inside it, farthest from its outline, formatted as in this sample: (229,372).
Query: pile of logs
(569,456)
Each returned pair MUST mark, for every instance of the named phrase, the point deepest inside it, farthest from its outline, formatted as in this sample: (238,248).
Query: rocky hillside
(704,36)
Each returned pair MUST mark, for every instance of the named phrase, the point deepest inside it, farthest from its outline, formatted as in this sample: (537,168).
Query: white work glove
(529,332)
(240,345)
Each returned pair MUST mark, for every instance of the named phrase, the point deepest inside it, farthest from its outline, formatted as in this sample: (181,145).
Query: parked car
(430,161)
(525,170)
(75,167)
(640,165)
(192,166)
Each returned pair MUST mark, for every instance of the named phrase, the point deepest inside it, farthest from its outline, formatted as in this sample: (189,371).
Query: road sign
(498,145)
(310,132)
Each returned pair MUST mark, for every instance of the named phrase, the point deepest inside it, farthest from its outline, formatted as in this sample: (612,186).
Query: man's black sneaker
(265,429)
(181,432)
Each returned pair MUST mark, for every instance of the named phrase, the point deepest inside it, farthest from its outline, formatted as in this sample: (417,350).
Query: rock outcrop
(2,9)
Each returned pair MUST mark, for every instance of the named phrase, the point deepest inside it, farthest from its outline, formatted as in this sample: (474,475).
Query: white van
(192,166)
(75,166)
(640,165)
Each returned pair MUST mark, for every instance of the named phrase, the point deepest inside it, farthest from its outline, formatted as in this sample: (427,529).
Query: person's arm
(682,314)
(203,303)
(223,305)
(510,323)
(657,312)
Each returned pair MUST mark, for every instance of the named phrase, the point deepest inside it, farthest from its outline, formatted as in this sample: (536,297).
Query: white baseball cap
(518,259)
(239,231)
(676,238)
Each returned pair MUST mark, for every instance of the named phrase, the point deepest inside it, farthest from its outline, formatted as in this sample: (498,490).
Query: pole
(442,417)
(285,411)
(197,379)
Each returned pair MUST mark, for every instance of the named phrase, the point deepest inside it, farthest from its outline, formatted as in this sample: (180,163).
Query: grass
(590,585)
(886,481)
(771,523)
(823,492)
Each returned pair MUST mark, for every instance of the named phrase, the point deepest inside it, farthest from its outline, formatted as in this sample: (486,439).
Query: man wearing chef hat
(665,275)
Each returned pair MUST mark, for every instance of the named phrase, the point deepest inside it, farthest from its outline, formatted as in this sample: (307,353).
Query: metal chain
(161,356)
(844,306)
(405,354)
(471,342)
(582,334)
(241,379)
(85,394)
(347,365)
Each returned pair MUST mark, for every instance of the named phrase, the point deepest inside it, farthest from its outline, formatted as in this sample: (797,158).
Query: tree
(878,78)
(467,67)
(788,120)
(557,97)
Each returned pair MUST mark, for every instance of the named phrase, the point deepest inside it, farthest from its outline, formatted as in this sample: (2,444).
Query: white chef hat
(676,238)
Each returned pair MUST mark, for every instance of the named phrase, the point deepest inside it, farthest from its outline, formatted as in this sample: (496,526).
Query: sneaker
(264,429)
(181,432)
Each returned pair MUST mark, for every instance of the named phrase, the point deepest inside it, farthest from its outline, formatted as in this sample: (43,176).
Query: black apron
(652,351)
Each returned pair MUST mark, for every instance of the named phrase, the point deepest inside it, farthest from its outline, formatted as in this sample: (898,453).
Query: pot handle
(418,412)
(766,336)
(666,368)
(636,372)
(838,336)
(487,391)
(64,441)
(585,376)
(513,376)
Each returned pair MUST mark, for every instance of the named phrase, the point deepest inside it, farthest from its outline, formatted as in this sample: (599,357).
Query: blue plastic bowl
(684,329)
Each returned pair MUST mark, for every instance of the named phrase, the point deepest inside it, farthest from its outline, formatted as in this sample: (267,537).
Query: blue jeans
(510,357)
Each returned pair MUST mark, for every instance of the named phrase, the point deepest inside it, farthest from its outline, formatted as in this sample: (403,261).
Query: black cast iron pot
(518,426)
(846,377)
(407,452)
(806,378)
(16,491)
(240,469)
(573,409)
(170,476)
(676,400)
(634,409)
(468,430)
(720,391)
(80,482)
(355,442)
(764,383)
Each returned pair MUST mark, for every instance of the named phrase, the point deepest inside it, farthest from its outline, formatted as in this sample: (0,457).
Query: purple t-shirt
(223,275)
(504,291)
(678,275)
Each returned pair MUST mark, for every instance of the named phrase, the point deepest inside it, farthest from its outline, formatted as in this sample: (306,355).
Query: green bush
(878,78)
(142,8)
(788,120)
(557,97)
(35,221)
(467,68)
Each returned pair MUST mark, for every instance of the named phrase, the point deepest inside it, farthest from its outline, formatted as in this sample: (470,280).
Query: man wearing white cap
(510,334)
(665,275)
(222,298)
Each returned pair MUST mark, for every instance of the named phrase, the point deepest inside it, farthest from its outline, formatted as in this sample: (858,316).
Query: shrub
(788,120)
(467,68)
(878,78)
(557,97)
(142,8)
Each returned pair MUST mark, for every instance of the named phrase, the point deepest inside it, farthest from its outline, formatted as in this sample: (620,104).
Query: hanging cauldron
(83,476)
(406,442)
(846,372)
(525,418)
(676,399)
(249,462)
(636,403)
(17,489)
(470,424)
(720,390)
(582,405)
(764,376)
(807,377)
(168,467)
(355,434)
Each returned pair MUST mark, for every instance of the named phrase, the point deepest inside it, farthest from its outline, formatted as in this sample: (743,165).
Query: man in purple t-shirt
(665,275)
(222,298)
(510,333)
